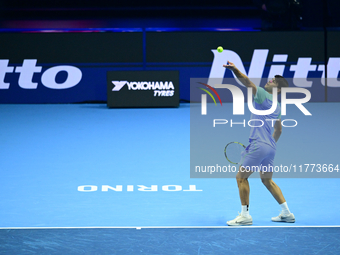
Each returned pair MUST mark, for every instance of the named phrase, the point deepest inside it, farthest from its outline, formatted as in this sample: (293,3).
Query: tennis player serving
(260,153)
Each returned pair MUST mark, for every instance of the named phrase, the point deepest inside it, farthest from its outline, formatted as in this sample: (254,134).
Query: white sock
(285,209)
(245,210)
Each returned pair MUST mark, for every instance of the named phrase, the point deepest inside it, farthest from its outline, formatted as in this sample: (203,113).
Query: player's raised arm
(242,77)
(277,130)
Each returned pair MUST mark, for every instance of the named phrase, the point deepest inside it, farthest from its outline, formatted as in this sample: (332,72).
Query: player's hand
(229,66)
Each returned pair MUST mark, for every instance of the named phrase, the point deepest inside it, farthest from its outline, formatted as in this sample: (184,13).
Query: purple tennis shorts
(258,156)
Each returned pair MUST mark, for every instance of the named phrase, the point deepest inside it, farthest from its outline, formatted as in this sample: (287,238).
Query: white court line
(173,227)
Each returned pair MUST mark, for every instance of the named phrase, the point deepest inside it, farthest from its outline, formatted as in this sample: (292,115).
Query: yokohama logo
(159,88)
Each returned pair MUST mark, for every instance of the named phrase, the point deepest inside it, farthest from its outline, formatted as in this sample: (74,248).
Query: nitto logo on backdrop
(258,62)
(48,77)
(160,88)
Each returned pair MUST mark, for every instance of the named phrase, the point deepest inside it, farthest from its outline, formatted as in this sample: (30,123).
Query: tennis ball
(219,49)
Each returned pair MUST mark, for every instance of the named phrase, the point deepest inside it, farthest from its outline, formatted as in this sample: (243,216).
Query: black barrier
(196,46)
(292,54)
(72,67)
(72,47)
(333,66)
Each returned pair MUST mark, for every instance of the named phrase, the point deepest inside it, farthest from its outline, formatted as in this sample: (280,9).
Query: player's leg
(274,189)
(244,190)
(285,215)
(266,173)
(243,185)
(249,159)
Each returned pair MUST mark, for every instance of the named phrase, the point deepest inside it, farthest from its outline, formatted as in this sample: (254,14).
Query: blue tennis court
(90,168)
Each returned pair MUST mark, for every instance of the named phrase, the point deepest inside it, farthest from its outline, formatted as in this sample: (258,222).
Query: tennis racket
(232,152)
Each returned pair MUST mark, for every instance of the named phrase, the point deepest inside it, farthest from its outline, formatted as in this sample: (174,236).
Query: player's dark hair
(281,81)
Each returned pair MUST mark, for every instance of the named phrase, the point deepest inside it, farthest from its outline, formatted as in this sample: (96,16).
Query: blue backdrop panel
(333,64)
(192,53)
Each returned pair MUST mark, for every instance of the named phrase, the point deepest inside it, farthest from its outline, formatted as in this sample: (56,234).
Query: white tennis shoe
(241,221)
(290,218)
